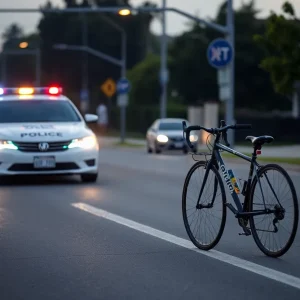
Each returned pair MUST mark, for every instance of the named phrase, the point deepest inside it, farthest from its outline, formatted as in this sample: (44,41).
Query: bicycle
(244,212)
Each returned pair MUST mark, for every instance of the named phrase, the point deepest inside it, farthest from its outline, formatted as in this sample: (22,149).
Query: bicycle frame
(217,161)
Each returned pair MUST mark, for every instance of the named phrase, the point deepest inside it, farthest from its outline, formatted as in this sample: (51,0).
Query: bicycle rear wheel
(196,220)
(286,205)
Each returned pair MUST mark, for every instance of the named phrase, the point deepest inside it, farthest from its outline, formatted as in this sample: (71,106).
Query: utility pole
(163,67)
(230,102)
(84,95)
(123,75)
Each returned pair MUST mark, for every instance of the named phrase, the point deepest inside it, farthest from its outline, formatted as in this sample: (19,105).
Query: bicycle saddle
(260,140)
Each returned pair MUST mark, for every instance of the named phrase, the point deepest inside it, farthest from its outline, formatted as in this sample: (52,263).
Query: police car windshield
(23,111)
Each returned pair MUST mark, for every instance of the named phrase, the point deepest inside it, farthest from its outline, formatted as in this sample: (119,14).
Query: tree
(66,66)
(191,76)
(280,42)
(145,81)
(196,80)
(14,31)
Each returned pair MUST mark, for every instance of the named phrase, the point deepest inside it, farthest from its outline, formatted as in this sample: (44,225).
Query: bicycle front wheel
(274,233)
(205,224)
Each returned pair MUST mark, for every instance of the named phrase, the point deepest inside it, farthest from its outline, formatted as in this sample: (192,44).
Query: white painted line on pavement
(229,259)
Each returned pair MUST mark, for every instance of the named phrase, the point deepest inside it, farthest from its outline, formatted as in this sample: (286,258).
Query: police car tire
(4,179)
(89,177)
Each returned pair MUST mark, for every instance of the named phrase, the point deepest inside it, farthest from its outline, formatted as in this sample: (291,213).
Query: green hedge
(139,118)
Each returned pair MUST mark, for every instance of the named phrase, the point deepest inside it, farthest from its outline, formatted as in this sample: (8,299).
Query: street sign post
(122,100)
(123,88)
(219,53)
(108,87)
(84,100)
(223,82)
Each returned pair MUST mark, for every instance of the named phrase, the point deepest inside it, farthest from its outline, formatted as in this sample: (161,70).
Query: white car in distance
(42,132)
(167,134)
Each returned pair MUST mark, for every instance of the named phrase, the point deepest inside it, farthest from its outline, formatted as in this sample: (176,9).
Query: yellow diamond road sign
(109,87)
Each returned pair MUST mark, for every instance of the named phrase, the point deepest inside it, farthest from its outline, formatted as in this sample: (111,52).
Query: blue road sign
(123,86)
(219,53)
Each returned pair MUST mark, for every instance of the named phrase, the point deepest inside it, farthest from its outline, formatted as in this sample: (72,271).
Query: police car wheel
(4,179)
(89,177)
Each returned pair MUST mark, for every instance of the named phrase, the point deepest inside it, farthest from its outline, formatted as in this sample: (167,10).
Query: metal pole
(85,79)
(230,102)
(163,63)
(38,67)
(115,9)
(123,75)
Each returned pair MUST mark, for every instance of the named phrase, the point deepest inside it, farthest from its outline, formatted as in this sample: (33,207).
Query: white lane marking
(229,259)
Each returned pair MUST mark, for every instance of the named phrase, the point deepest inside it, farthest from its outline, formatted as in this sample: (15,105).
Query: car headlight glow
(162,138)
(193,138)
(7,145)
(87,142)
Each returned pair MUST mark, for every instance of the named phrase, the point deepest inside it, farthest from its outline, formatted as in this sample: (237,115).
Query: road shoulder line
(226,258)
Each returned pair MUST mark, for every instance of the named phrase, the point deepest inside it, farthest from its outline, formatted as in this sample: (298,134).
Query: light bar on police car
(51,90)
(25,91)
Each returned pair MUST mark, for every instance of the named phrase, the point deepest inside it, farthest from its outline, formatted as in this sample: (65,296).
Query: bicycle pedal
(244,233)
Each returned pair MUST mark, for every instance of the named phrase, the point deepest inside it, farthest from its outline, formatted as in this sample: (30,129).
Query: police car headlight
(87,142)
(7,145)
(193,138)
(162,138)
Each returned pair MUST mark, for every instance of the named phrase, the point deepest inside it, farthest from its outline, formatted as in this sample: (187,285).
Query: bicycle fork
(209,204)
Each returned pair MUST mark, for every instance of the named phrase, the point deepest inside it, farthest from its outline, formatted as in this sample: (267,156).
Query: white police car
(42,132)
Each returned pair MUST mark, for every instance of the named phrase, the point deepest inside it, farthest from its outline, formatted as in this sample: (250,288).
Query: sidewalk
(267,151)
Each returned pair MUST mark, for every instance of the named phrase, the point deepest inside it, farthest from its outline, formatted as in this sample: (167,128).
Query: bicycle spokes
(204,221)
(273,231)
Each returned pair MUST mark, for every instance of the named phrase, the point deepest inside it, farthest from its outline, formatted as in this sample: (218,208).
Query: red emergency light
(54,90)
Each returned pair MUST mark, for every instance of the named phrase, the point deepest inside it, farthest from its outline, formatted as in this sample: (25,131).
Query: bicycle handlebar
(221,130)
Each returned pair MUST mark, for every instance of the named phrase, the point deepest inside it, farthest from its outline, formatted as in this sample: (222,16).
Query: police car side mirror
(90,118)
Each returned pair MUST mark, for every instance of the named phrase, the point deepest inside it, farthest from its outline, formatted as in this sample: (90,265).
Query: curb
(110,141)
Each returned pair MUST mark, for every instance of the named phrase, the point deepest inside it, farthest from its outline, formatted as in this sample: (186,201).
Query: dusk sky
(175,23)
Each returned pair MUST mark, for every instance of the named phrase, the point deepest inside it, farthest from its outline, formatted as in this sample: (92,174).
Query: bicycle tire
(184,211)
(296,211)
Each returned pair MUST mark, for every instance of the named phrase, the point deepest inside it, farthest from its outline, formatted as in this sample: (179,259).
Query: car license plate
(44,162)
(178,145)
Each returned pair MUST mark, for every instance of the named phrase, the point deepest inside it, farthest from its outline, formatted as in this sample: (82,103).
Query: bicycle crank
(243,223)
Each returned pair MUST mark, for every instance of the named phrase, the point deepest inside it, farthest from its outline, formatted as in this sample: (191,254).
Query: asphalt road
(53,246)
